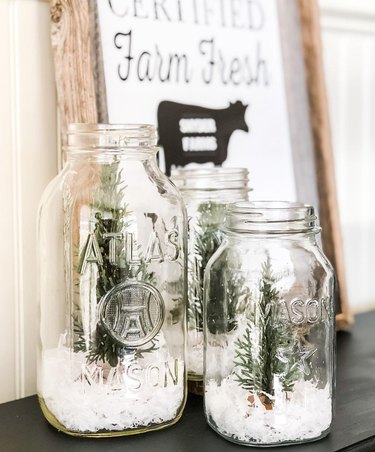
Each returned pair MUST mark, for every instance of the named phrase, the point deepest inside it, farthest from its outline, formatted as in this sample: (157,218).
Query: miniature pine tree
(266,349)
(207,239)
(111,215)
(228,297)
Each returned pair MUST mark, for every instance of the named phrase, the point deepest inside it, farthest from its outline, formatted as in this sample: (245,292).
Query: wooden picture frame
(82,98)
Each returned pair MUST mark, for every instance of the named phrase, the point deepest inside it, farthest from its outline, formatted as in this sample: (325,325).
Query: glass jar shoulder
(303,252)
(112,184)
(53,193)
(166,186)
(308,258)
(298,268)
(157,196)
(148,186)
(53,185)
(321,258)
(220,259)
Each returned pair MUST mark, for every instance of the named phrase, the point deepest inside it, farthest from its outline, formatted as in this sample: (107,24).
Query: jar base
(298,417)
(49,416)
(269,445)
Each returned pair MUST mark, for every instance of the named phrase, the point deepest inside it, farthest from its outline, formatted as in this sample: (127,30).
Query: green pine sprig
(207,238)
(111,215)
(267,347)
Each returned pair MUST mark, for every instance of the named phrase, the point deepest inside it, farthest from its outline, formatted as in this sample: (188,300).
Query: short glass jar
(112,264)
(206,192)
(269,328)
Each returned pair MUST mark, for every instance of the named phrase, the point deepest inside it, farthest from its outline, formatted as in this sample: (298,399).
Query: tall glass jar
(112,266)
(269,328)
(206,193)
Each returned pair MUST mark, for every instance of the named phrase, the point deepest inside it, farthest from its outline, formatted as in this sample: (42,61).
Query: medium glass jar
(269,328)
(112,266)
(206,193)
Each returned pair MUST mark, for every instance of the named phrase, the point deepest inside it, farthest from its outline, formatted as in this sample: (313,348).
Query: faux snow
(195,353)
(304,416)
(92,399)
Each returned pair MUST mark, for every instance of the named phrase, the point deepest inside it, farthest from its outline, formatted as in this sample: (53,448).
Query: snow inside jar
(112,287)
(269,329)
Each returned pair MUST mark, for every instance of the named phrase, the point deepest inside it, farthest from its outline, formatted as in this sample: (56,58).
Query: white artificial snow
(305,415)
(195,353)
(108,399)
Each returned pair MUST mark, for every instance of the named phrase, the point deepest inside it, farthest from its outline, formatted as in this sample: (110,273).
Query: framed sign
(229,82)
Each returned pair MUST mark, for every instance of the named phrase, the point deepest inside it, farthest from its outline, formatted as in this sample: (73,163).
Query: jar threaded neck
(214,178)
(83,137)
(271,217)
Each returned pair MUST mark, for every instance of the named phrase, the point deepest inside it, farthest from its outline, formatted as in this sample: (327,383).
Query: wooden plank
(329,214)
(301,139)
(75,62)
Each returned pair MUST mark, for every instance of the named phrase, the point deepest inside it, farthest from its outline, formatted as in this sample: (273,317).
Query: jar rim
(87,127)
(273,217)
(85,137)
(210,178)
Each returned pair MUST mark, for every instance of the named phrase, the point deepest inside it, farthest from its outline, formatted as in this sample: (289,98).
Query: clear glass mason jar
(206,193)
(112,289)
(269,328)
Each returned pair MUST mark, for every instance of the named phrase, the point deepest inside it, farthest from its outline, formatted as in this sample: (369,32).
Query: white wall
(348,28)
(27,162)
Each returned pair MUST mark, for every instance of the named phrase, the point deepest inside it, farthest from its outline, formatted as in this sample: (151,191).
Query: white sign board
(218,64)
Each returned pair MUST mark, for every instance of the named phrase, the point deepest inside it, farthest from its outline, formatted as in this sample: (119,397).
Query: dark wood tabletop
(23,428)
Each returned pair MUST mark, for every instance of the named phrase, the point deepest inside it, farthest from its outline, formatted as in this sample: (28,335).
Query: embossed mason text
(132,376)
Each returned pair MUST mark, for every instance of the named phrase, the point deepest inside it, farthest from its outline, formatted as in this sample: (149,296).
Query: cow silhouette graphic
(189,133)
